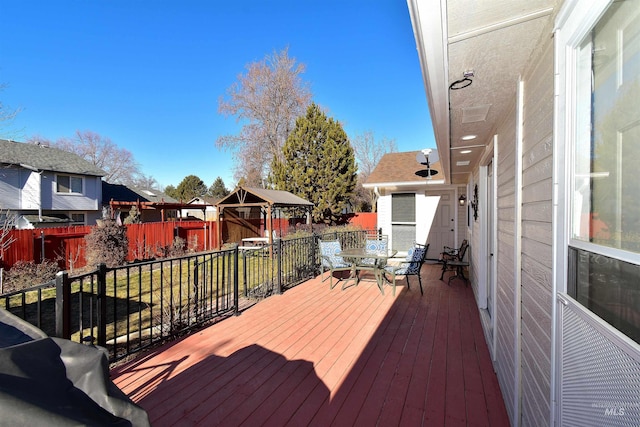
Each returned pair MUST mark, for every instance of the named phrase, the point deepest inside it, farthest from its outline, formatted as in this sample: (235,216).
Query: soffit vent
(475,114)
(462,163)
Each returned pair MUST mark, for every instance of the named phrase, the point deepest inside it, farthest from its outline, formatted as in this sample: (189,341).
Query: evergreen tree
(191,186)
(318,165)
(218,190)
(171,191)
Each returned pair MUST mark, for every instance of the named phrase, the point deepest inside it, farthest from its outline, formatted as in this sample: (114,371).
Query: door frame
(487,264)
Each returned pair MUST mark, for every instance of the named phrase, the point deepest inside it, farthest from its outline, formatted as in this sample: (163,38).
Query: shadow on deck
(315,356)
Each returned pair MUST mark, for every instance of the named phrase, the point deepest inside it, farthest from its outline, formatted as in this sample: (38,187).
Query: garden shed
(250,212)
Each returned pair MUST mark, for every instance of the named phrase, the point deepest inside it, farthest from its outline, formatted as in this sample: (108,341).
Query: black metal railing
(129,308)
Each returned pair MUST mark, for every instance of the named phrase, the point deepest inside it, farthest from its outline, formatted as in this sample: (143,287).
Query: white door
(442,232)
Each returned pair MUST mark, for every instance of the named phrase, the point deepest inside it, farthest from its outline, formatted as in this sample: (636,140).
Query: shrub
(25,274)
(133,217)
(178,248)
(107,243)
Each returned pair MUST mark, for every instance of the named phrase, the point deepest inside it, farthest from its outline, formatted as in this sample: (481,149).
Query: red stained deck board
(315,356)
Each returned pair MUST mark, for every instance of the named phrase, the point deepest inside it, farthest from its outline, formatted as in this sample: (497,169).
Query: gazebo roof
(250,196)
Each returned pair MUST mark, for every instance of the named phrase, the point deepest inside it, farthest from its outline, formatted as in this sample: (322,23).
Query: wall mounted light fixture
(462,200)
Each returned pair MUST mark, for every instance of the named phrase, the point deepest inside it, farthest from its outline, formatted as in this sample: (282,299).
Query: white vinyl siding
(536,240)
(505,298)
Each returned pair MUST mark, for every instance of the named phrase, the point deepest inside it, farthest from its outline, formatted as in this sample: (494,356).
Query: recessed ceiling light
(465,151)
(469,137)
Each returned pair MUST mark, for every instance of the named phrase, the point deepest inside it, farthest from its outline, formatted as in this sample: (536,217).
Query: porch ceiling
(493,39)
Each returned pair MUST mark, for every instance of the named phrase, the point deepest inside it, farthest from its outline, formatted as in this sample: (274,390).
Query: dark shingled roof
(42,157)
(400,167)
(122,193)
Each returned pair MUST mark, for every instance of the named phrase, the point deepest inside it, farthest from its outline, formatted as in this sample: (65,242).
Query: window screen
(403,207)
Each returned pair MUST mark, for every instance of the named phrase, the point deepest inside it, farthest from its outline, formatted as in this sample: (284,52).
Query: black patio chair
(452,259)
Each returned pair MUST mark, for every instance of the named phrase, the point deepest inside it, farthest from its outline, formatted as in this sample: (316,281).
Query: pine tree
(318,165)
(218,190)
(191,186)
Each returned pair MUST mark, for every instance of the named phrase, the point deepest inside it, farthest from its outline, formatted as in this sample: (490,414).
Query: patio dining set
(376,257)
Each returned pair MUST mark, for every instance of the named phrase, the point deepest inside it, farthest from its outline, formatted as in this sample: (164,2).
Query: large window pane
(608,287)
(606,201)
(63,184)
(76,184)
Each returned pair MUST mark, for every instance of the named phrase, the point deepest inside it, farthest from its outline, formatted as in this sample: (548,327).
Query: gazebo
(245,200)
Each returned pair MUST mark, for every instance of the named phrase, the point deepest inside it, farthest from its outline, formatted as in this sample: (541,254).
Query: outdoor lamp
(462,199)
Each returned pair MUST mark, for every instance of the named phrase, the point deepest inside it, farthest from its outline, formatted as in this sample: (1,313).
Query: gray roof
(124,193)
(43,157)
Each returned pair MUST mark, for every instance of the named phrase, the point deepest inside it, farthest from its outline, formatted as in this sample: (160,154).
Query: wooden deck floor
(315,356)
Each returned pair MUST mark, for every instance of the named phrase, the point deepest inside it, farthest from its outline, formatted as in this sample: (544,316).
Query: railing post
(236,293)
(279,261)
(63,305)
(195,289)
(102,304)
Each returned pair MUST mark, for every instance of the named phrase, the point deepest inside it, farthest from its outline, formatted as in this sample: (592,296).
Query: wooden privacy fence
(66,245)
(366,220)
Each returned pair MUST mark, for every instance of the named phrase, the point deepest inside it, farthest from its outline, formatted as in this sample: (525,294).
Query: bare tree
(268,99)
(6,239)
(8,222)
(118,163)
(145,182)
(7,114)
(368,153)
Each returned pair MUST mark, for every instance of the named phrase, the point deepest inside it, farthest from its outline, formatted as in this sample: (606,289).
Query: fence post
(102,304)
(279,261)
(236,293)
(42,247)
(63,305)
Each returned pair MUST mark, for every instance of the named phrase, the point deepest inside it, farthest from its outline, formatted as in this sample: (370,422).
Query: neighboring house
(534,109)
(412,208)
(153,205)
(45,186)
(201,208)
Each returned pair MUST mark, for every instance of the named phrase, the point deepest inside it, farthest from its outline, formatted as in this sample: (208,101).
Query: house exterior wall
(384,214)
(88,201)
(426,206)
(461,222)
(506,292)
(10,185)
(523,297)
(537,238)
(31,189)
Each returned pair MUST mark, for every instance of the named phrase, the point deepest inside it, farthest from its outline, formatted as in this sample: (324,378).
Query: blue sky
(148,74)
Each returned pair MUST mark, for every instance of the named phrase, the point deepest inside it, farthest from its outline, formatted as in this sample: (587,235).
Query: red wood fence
(66,245)
(366,220)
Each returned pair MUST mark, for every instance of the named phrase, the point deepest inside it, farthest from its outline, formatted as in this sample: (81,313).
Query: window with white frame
(604,234)
(69,184)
